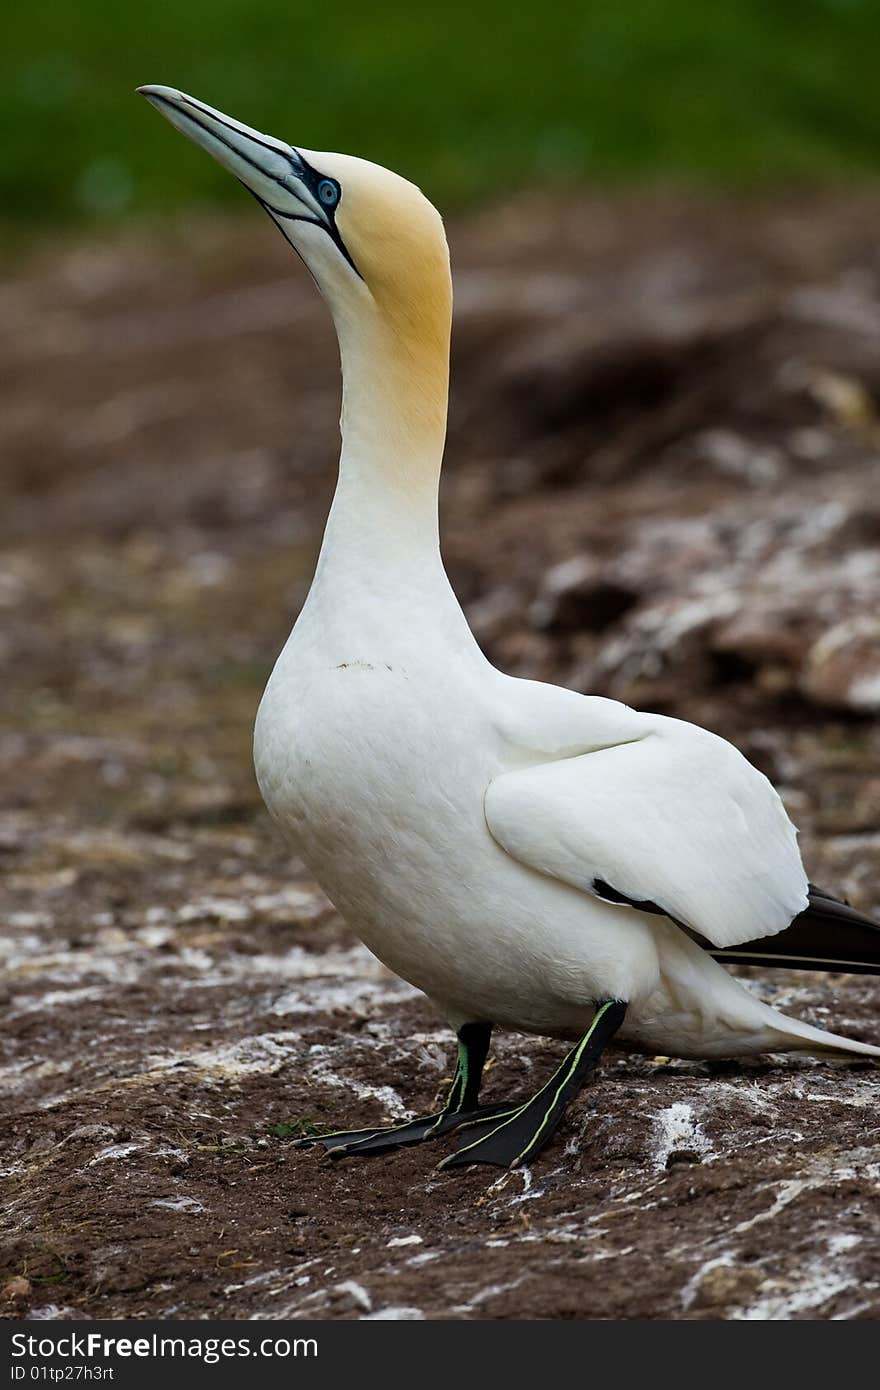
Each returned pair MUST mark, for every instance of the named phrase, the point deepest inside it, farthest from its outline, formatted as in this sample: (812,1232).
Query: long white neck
(380,560)
(384,519)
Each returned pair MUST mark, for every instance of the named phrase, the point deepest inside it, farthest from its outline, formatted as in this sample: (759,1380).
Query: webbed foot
(461,1105)
(519,1136)
(383,1139)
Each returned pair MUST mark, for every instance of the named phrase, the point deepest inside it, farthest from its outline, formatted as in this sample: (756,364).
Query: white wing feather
(677,817)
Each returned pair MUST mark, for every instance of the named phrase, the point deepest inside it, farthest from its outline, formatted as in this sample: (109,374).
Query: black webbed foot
(384,1136)
(518,1136)
(354,1142)
(461,1104)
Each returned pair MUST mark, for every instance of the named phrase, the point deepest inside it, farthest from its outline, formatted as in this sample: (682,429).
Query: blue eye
(328,193)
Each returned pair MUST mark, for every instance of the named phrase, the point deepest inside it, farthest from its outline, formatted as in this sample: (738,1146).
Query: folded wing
(677,821)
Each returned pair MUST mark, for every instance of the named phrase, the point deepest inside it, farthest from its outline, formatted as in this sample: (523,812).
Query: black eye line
(313,178)
(332,230)
(306,173)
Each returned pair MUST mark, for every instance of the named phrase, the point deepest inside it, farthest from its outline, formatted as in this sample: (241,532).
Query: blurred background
(474,101)
(662,485)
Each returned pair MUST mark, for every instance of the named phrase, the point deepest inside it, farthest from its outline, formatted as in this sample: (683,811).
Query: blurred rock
(739,458)
(846,399)
(758,642)
(843,667)
(577,595)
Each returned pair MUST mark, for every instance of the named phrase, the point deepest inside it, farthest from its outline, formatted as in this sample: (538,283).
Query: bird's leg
(515,1138)
(461,1104)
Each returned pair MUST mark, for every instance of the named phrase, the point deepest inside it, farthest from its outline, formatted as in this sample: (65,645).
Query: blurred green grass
(466,100)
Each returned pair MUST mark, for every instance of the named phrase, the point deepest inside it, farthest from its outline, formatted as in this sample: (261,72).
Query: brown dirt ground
(662,485)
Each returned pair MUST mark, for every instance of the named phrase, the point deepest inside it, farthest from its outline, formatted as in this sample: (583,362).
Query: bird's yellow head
(365,233)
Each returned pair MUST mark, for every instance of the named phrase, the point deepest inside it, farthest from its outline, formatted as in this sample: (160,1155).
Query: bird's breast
(369,757)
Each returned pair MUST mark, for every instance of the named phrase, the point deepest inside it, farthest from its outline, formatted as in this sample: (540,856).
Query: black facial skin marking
(300,168)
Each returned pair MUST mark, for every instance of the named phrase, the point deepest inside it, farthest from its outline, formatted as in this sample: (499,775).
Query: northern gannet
(527,856)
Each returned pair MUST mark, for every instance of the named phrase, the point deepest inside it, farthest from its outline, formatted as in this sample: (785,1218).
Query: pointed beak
(274,172)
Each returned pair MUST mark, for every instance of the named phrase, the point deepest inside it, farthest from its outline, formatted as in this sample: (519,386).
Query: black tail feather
(827,935)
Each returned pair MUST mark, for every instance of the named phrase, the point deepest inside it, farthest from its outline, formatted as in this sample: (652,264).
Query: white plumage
(674,815)
(470,826)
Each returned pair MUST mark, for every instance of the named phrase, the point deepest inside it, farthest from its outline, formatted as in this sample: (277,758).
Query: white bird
(527,856)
